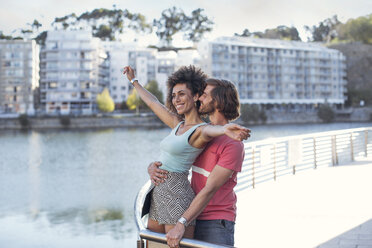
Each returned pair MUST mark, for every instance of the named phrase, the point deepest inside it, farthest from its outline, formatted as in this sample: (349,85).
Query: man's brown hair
(226,97)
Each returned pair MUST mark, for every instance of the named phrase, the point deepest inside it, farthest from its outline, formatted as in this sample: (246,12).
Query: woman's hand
(236,131)
(130,72)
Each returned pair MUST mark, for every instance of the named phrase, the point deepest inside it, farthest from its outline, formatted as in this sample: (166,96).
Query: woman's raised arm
(169,118)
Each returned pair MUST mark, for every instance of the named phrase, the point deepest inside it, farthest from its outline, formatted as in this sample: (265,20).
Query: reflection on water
(69,184)
(77,188)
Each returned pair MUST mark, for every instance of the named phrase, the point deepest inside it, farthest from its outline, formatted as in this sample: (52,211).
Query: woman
(180,148)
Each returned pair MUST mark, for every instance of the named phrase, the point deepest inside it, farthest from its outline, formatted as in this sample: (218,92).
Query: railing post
(336,155)
(351,147)
(366,142)
(274,162)
(253,179)
(314,145)
(140,243)
(334,151)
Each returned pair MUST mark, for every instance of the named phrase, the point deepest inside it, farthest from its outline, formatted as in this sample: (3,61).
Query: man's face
(207,104)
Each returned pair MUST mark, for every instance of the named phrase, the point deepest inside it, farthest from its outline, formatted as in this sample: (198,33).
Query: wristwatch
(133,80)
(183,221)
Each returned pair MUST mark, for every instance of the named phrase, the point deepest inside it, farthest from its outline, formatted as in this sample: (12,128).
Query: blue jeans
(215,231)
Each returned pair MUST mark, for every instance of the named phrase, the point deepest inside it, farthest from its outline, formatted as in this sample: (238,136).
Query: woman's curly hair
(193,77)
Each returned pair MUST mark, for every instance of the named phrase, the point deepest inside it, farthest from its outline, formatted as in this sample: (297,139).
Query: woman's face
(182,99)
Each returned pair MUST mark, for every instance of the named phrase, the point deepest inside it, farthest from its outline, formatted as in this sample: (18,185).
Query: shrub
(326,113)
(65,120)
(252,113)
(24,121)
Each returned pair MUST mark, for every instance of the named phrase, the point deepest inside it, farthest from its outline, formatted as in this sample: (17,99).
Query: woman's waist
(173,165)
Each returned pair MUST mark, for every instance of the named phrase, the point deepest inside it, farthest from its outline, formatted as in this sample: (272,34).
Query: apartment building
(118,56)
(73,70)
(268,71)
(19,76)
(187,57)
(143,60)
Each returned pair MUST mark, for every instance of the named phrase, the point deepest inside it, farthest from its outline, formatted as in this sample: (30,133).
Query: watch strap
(133,80)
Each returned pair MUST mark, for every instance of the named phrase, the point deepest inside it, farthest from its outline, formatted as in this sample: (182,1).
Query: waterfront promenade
(325,208)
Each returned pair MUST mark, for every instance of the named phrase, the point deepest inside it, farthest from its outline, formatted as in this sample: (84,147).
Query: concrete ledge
(84,122)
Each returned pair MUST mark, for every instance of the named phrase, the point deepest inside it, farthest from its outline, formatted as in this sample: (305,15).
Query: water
(77,188)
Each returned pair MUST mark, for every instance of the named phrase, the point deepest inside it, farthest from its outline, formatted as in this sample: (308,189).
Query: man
(214,172)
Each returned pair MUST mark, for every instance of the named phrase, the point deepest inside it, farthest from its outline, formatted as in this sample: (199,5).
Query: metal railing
(158,240)
(269,159)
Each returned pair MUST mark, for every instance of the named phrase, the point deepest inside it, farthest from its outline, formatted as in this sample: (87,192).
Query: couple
(174,206)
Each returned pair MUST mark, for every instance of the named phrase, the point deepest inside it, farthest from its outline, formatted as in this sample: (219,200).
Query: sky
(232,16)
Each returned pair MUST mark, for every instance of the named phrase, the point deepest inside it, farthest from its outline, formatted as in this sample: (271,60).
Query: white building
(19,76)
(187,57)
(170,61)
(269,71)
(73,70)
(143,60)
(166,65)
(118,55)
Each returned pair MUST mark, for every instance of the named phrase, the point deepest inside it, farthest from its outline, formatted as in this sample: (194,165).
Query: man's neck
(217,118)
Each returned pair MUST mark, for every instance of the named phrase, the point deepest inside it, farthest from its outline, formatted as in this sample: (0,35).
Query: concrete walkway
(325,208)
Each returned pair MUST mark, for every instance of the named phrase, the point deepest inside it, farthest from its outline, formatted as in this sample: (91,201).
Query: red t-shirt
(227,153)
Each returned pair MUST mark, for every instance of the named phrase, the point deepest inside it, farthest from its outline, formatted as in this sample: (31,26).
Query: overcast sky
(230,17)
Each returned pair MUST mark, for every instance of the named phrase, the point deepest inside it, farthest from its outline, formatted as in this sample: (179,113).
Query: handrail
(185,243)
(160,237)
(272,158)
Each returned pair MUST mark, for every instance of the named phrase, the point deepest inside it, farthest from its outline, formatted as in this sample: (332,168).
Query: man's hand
(157,175)
(175,235)
(236,131)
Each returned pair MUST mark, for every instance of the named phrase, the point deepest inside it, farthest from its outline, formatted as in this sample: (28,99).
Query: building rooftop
(273,43)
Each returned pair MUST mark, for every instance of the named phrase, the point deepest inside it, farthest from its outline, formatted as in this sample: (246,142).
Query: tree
(35,25)
(172,21)
(24,121)
(281,32)
(135,102)
(106,24)
(326,113)
(359,29)
(245,33)
(65,21)
(287,33)
(252,113)
(197,25)
(5,37)
(153,87)
(105,102)
(326,31)
(355,96)
(40,39)
(104,32)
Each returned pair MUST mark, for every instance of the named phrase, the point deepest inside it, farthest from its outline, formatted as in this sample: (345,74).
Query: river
(68,188)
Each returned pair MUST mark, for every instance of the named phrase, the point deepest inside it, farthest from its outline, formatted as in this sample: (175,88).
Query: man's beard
(207,109)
